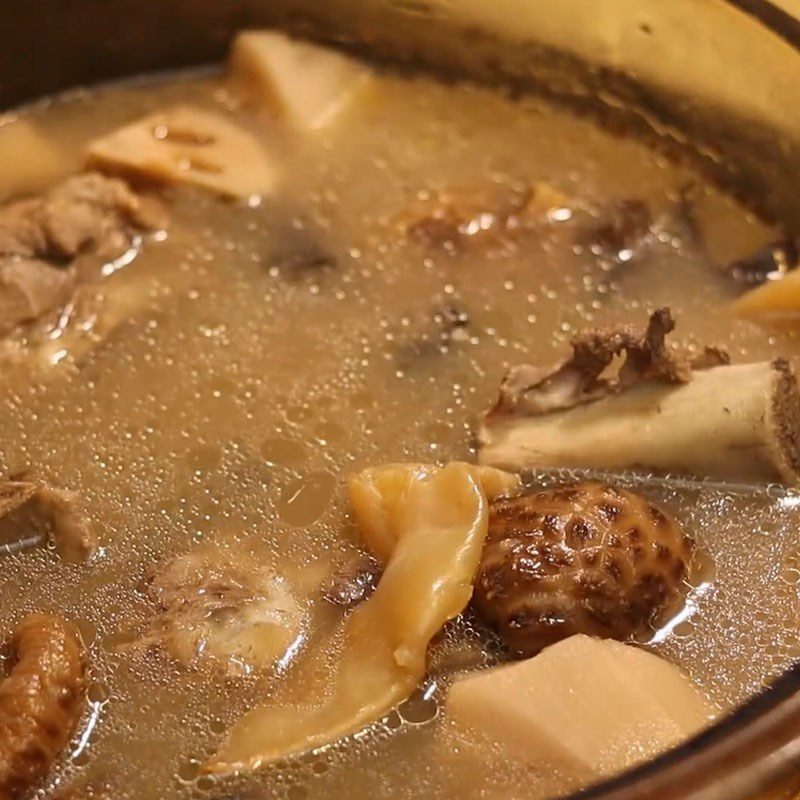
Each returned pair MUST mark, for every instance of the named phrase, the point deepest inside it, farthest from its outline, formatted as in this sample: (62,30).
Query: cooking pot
(706,80)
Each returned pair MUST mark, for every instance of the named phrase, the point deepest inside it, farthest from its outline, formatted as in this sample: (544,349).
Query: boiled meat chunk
(229,611)
(52,243)
(186,145)
(86,213)
(30,289)
(31,511)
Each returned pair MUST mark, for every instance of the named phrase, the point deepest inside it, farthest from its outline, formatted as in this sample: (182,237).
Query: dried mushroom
(588,558)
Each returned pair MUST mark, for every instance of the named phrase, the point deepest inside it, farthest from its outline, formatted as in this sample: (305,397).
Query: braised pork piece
(370,436)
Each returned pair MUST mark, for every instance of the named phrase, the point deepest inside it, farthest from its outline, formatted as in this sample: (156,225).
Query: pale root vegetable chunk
(587,708)
(436,518)
(187,145)
(310,86)
(32,161)
(774,299)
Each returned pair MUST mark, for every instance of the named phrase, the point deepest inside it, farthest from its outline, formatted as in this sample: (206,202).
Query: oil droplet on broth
(303,502)
(281,452)
(330,432)
(393,721)
(88,631)
(420,708)
(204,458)
(98,693)
(187,772)
(205,783)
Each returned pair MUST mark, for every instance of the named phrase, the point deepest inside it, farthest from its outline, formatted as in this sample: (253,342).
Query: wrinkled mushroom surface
(589,558)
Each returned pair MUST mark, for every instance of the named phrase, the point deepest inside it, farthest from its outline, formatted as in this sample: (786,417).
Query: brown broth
(229,409)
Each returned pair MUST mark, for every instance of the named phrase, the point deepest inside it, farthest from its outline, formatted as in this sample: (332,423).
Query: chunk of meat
(457,218)
(186,145)
(52,243)
(30,288)
(40,701)
(31,511)
(238,615)
(87,212)
(97,314)
(588,558)
(582,378)
(621,230)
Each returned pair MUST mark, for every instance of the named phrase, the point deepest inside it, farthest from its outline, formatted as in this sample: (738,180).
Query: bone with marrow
(658,411)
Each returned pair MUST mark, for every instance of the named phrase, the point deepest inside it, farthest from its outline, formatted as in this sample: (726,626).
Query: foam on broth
(229,410)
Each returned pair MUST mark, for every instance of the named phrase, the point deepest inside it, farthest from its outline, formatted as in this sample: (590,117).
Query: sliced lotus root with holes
(187,145)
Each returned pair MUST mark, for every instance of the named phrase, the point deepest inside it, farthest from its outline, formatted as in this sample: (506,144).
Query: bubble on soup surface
(204,458)
(421,707)
(283,452)
(187,772)
(330,433)
(98,692)
(304,501)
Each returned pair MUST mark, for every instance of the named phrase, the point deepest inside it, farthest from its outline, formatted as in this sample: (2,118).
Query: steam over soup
(365,434)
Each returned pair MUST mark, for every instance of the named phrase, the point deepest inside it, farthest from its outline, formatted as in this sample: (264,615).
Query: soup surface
(269,349)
